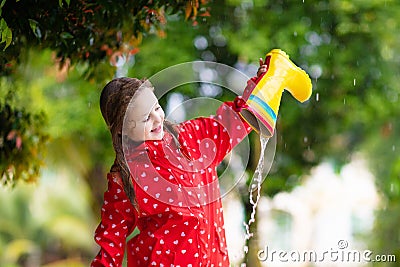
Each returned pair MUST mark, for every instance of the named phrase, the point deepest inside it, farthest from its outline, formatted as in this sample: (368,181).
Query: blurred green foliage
(82,30)
(78,32)
(42,223)
(348,47)
(22,140)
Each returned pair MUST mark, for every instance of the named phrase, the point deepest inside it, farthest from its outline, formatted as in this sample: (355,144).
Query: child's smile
(144,118)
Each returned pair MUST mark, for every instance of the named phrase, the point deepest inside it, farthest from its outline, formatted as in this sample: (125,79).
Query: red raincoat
(178,212)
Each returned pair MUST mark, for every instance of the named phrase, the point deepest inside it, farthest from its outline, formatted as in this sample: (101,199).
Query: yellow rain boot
(264,96)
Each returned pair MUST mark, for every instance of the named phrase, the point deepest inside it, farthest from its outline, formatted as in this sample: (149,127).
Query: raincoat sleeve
(217,135)
(118,220)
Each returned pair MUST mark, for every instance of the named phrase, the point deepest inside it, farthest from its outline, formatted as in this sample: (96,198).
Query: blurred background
(335,177)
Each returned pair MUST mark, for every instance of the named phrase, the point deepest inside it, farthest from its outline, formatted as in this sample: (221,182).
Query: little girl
(163,181)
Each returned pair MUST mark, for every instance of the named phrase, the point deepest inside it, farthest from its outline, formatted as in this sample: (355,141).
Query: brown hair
(114,100)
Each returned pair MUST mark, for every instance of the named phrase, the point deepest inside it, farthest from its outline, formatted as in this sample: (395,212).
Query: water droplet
(315,71)
(354,82)
(393,148)
(317,97)
(200,42)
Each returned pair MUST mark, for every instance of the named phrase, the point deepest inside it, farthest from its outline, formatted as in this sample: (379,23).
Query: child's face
(144,117)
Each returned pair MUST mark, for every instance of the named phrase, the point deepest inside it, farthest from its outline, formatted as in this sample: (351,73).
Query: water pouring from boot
(262,98)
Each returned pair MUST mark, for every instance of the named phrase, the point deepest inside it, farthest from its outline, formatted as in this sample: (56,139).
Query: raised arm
(214,136)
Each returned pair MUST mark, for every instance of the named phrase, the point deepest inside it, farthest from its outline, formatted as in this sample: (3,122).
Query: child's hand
(262,69)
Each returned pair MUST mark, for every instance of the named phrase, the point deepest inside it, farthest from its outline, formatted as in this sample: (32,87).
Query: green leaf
(2,3)
(60,2)
(6,34)
(1,6)
(66,35)
(3,25)
(33,24)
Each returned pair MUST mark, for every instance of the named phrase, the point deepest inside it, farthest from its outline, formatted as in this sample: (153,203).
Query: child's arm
(213,137)
(118,220)
(217,135)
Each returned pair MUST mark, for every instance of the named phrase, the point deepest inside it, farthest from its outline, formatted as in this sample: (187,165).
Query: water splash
(258,178)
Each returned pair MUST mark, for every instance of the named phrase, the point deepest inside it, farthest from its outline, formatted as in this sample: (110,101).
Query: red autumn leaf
(18,142)
(134,51)
(11,135)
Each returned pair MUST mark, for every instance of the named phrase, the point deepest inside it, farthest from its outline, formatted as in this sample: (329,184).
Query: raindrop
(393,148)
(208,56)
(200,42)
(208,75)
(215,31)
(315,71)
(238,12)
(344,101)
(313,38)
(198,66)
(305,139)
(210,90)
(306,21)
(354,82)
(174,108)
(326,38)
(317,97)
(220,40)
(308,50)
